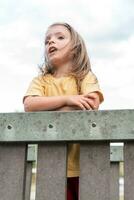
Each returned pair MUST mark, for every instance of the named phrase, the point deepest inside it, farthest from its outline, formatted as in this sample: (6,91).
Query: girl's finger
(95,99)
(92,95)
(90,102)
(85,104)
(80,105)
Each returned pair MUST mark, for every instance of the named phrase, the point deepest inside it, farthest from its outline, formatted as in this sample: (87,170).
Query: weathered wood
(114,125)
(51,171)
(129,170)
(12,171)
(28,180)
(114,181)
(95,171)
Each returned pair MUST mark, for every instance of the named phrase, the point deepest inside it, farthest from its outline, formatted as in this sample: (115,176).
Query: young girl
(66,83)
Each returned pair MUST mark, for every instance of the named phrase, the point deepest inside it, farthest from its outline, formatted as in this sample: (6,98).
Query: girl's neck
(62,70)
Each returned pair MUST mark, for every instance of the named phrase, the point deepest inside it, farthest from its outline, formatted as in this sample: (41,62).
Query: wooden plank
(28,180)
(114,125)
(51,171)
(129,170)
(95,171)
(12,171)
(114,181)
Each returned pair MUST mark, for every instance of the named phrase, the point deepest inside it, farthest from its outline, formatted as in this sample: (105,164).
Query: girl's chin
(55,60)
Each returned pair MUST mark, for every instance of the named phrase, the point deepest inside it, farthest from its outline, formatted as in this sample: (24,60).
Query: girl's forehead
(57,29)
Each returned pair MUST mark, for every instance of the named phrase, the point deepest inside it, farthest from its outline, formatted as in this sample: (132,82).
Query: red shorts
(73,188)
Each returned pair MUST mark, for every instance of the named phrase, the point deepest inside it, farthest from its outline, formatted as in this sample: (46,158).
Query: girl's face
(57,45)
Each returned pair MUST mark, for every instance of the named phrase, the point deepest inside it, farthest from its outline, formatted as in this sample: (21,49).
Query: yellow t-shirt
(48,85)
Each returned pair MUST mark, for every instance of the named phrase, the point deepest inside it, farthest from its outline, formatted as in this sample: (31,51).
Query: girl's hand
(84,102)
(96,99)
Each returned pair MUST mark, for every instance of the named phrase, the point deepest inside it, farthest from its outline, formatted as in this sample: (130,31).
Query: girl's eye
(61,37)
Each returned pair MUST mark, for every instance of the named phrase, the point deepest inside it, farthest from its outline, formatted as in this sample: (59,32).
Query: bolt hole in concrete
(50,126)
(94,125)
(9,127)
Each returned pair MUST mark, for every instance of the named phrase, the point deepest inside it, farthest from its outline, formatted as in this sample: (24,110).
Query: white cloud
(18,62)
(116,74)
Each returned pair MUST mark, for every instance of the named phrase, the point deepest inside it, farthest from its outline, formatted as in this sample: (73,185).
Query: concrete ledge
(114,125)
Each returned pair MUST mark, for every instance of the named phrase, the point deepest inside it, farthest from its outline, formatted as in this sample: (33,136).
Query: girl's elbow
(27,105)
(26,109)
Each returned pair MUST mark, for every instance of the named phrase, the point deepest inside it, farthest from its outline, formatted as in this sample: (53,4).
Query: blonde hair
(81,63)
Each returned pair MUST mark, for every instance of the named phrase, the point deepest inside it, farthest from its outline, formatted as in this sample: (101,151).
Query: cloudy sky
(107,27)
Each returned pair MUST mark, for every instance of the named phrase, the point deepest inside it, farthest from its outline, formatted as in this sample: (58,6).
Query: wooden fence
(52,131)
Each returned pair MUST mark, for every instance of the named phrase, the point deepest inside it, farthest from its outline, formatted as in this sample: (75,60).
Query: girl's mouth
(52,50)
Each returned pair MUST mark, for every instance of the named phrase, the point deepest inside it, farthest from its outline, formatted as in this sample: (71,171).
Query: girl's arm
(95,102)
(37,103)
(82,102)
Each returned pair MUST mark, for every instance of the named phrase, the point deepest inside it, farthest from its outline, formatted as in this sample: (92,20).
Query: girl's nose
(51,41)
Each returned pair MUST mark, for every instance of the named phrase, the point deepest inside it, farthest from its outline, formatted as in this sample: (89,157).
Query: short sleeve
(90,84)
(36,88)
